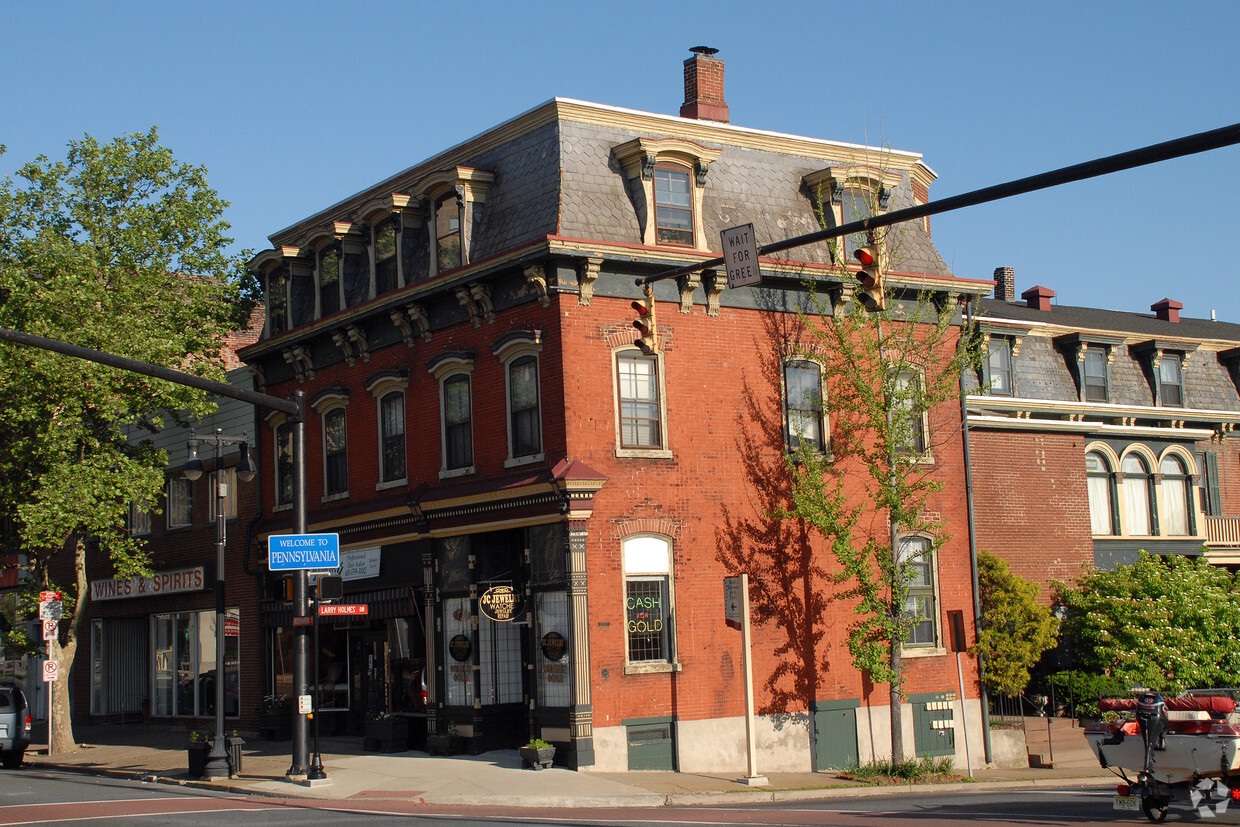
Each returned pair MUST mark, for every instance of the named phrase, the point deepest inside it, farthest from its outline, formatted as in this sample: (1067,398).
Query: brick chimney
(704,86)
(1005,284)
(1038,297)
(1168,310)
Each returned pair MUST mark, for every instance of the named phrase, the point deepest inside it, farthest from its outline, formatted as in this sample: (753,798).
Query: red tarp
(1191,703)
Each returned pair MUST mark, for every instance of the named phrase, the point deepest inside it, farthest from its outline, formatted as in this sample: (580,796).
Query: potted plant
(386,732)
(445,743)
(537,754)
(275,718)
(199,749)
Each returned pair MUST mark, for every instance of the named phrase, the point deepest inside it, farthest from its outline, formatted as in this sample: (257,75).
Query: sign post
(50,673)
(736,610)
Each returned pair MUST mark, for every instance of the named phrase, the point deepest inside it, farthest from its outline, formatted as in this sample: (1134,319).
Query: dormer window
(448,232)
(1163,364)
(329,281)
(1089,357)
(667,179)
(1094,376)
(999,366)
(1170,380)
(845,194)
(387,276)
(673,205)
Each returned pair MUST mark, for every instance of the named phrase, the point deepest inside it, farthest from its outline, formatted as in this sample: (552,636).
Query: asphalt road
(53,797)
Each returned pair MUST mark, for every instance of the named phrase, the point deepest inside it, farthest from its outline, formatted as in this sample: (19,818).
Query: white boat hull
(1185,758)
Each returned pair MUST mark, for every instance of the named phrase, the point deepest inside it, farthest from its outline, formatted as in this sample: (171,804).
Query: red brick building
(1096,433)
(539,515)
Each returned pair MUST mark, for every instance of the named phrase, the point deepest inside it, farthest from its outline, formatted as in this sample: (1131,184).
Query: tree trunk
(897,698)
(60,734)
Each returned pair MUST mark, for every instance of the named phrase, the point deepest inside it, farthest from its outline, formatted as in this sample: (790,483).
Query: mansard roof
(555,174)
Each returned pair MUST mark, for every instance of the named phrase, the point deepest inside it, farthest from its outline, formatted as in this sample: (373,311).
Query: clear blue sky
(294,106)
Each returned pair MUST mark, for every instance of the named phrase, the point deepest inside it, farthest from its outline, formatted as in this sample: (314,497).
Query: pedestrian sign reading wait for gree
(740,256)
(290,552)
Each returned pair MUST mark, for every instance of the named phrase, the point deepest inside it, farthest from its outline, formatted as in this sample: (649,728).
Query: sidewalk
(494,778)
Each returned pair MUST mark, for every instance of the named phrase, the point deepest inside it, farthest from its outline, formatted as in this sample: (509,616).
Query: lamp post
(217,761)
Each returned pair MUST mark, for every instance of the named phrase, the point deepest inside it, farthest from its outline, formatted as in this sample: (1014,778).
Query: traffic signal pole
(294,407)
(1156,153)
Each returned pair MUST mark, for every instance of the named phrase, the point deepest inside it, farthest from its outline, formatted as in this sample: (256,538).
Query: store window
(1101,494)
(648,602)
(803,406)
(184,658)
(553,657)
(458,652)
(1138,518)
(180,502)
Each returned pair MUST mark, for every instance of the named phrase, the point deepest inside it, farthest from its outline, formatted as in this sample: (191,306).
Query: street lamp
(217,761)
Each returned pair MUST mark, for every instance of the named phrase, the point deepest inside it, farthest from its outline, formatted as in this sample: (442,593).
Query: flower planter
(198,752)
(234,745)
(444,744)
(538,758)
(387,735)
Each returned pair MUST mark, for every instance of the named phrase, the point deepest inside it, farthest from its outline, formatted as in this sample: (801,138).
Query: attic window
(1163,363)
(668,177)
(845,194)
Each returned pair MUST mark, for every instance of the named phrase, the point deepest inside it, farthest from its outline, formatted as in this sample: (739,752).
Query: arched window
(329,281)
(386,275)
(1137,517)
(1101,494)
(1174,504)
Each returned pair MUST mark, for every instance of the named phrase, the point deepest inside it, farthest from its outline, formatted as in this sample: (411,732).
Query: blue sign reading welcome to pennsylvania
(289,552)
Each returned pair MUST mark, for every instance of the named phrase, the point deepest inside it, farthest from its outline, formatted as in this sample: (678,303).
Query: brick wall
(1031,504)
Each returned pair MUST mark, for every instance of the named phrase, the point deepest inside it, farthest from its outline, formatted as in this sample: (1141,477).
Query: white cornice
(1004,423)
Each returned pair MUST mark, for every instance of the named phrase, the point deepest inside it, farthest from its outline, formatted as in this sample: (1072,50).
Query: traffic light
(286,588)
(330,587)
(872,294)
(645,323)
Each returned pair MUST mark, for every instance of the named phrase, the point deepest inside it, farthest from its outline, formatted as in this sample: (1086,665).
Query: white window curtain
(1136,496)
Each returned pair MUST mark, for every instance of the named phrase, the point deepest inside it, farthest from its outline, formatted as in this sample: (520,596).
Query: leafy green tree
(1167,623)
(1015,629)
(118,247)
(892,379)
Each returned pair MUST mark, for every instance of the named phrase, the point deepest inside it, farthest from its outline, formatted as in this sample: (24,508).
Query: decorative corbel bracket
(841,297)
(341,338)
(358,337)
(713,282)
(688,283)
(476,299)
(587,274)
(411,321)
(536,277)
(260,380)
(299,358)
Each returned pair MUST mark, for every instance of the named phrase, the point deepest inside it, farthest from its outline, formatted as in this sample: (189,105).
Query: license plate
(1130,803)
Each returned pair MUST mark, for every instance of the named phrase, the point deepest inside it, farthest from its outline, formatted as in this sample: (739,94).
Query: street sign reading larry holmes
(289,552)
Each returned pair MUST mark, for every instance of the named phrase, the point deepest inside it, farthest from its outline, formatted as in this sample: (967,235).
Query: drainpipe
(968,492)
